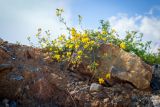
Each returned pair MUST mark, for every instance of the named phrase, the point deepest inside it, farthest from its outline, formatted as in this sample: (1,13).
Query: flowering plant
(79,44)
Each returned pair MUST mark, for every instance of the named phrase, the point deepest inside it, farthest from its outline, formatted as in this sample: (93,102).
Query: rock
(156,70)
(155,82)
(95,87)
(122,65)
(125,66)
(156,100)
(95,104)
(73,92)
(106,100)
(5,102)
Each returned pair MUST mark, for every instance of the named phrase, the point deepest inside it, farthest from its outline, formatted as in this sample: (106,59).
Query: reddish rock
(122,65)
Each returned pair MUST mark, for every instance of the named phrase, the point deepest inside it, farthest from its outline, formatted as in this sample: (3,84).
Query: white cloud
(21,18)
(153,10)
(148,25)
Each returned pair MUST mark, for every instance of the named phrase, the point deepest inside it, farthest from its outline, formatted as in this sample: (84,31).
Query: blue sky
(22,18)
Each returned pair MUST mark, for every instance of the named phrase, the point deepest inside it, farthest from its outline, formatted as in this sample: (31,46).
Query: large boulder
(122,66)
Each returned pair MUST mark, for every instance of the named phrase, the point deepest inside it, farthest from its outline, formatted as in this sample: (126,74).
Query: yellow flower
(57,57)
(85,35)
(80,52)
(85,46)
(78,35)
(55,51)
(60,38)
(90,49)
(104,39)
(92,42)
(73,62)
(123,45)
(73,38)
(71,46)
(68,54)
(78,57)
(73,32)
(77,46)
(99,36)
(108,76)
(84,40)
(101,81)
(104,32)
(60,49)
(96,64)
(50,49)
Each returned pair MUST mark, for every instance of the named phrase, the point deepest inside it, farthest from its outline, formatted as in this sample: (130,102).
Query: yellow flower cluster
(72,49)
(108,76)
(57,57)
(104,32)
(73,31)
(102,81)
(123,45)
(69,54)
(100,37)
(85,40)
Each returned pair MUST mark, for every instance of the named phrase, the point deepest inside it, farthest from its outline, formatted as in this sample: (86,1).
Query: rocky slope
(29,78)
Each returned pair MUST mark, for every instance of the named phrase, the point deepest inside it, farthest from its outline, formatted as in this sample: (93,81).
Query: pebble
(5,102)
(95,87)
(156,100)
(73,92)
(106,100)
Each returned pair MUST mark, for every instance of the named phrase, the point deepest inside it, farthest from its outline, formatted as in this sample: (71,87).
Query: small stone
(156,100)
(13,58)
(27,87)
(155,83)
(156,70)
(5,101)
(95,87)
(106,100)
(73,92)
(95,104)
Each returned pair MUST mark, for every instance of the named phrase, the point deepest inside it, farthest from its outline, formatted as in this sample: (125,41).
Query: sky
(21,18)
